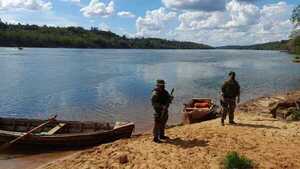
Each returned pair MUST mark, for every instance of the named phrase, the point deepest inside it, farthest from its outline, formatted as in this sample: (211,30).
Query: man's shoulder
(226,82)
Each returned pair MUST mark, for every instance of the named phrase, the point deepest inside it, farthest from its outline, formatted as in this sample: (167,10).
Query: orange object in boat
(201,105)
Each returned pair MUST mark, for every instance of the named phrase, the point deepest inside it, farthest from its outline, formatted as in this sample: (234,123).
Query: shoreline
(142,152)
(43,160)
(275,50)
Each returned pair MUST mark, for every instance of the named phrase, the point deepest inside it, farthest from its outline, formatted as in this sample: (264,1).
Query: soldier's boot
(162,134)
(231,119)
(156,140)
(164,137)
(162,129)
(232,122)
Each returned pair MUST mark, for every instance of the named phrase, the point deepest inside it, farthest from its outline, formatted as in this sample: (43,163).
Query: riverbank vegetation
(16,35)
(278,45)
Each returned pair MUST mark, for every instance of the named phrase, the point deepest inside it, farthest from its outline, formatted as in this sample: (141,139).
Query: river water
(115,85)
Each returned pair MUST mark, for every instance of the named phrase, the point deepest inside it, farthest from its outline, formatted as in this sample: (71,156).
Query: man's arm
(223,89)
(154,100)
(238,92)
(156,105)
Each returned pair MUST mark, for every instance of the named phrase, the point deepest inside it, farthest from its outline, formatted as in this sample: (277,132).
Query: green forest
(18,35)
(292,46)
(279,45)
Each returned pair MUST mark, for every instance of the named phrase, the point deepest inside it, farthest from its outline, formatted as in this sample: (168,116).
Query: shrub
(234,161)
(295,114)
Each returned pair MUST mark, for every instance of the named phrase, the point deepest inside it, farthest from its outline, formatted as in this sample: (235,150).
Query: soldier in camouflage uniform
(161,100)
(230,95)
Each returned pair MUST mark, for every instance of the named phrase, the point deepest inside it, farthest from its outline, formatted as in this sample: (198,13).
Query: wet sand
(30,160)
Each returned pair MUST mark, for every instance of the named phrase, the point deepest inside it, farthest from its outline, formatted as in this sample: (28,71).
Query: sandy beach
(269,142)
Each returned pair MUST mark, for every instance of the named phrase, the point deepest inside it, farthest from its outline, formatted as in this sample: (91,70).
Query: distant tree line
(18,35)
(278,45)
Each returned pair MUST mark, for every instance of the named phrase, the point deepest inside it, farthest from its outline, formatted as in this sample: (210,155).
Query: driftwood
(284,105)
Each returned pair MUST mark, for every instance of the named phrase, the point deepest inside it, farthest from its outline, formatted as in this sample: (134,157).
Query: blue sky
(214,22)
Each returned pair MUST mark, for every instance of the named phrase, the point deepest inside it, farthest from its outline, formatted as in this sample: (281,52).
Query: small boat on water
(20,48)
(61,133)
(199,109)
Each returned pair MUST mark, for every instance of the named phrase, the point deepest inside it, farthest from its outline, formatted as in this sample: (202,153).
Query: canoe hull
(69,140)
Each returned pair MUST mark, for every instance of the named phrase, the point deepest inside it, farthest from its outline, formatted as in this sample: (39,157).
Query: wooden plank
(14,133)
(55,129)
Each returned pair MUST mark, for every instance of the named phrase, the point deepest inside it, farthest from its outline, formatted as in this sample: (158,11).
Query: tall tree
(295,18)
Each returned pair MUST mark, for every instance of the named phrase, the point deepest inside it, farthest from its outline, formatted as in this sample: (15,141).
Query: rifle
(165,108)
(172,92)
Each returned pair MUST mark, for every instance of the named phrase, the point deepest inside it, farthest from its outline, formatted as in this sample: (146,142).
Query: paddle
(7,145)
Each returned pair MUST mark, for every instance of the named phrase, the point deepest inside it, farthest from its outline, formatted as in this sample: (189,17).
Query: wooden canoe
(62,133)
(194,112)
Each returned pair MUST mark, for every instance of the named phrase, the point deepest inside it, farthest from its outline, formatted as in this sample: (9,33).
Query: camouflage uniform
(161,100)
(230,90)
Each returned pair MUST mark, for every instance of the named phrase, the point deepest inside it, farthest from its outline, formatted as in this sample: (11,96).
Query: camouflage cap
(160,82)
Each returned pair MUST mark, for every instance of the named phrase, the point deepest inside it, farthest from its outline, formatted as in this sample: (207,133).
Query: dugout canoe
(66,134)
(199,109)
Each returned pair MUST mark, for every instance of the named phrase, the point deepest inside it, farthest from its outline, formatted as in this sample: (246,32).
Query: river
(116,85)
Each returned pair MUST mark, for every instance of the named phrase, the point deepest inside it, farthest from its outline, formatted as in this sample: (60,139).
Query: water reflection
(105,85)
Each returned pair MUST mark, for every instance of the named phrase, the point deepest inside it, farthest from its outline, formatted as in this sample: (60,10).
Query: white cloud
(201,20)
(154,22)
(242,23)
(33,5)
(274,22)
(97,8)
(126,14)
(37,17)
(242,14)
(200,5)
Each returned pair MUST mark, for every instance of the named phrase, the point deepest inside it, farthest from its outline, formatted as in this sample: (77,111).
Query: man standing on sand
(230,95)
(161,100)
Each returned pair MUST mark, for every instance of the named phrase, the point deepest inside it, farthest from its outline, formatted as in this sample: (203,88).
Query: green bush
(295,114)
(234,161)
